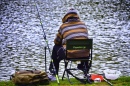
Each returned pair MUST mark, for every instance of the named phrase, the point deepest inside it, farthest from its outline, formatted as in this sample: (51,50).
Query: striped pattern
(69,15)
(74,35)
(72,30)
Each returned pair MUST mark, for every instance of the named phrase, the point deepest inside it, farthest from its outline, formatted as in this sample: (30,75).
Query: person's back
(72,28)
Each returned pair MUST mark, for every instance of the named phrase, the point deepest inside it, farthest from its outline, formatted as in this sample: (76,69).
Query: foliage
(6,83)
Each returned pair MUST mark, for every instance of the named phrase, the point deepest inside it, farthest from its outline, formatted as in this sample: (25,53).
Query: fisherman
(72,28)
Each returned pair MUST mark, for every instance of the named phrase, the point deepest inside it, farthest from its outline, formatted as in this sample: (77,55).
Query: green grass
(123,81)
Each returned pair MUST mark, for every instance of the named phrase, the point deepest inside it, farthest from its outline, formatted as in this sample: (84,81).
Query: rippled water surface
(22,39)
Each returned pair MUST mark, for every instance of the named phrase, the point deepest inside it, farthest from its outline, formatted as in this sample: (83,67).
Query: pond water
(22,38)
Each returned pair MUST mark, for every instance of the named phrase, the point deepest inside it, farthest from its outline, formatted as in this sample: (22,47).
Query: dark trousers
(58,54)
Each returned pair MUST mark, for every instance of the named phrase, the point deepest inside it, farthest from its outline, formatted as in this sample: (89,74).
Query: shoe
(51,77)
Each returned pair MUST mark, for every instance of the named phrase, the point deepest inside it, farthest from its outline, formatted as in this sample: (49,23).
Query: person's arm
(58,39)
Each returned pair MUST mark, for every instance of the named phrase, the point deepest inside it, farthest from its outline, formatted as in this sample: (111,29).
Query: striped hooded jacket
(72,28)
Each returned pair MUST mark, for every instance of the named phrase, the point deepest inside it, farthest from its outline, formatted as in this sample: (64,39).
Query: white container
(112,74)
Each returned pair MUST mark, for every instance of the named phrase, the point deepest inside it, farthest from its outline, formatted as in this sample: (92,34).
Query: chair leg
(86,73)
(66,63)
(68,78)
(88,79)
(63,75)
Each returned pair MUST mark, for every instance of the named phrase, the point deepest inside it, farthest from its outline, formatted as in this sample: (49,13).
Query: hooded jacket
(72,28)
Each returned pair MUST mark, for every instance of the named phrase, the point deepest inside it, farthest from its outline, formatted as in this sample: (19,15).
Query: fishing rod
(57,78)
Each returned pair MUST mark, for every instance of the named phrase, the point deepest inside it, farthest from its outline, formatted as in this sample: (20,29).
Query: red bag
(94,76)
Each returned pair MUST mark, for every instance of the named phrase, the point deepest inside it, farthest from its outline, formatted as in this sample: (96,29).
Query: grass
(122,81)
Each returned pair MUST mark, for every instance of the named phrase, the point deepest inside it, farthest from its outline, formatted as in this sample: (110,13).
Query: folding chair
(78,44)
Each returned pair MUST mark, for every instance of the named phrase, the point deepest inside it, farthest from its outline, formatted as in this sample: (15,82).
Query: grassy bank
(122,81)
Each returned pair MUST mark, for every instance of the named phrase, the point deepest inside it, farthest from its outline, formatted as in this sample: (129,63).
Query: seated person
(72,28)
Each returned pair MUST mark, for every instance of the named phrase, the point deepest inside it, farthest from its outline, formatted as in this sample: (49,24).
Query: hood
(70,13)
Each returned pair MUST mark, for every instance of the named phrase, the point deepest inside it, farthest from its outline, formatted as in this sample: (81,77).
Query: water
(22,39)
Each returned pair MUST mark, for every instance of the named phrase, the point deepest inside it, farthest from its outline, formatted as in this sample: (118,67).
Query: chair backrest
(79,44)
